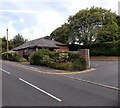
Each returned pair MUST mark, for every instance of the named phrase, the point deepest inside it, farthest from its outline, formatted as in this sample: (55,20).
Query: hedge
(13,56)
(103,49)
(58,60)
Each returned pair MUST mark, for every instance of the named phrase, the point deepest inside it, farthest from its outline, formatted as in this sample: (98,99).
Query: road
(26,86)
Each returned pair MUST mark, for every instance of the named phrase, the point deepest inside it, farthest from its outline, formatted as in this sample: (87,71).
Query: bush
(21,60)
(39,57)
(64,66)
(13,56)
(58,60)
(79,64)
(104,49)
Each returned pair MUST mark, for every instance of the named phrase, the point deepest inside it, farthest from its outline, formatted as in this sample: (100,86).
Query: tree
(4,44)
(62,34)
(18,40)
(118,23)
(94,25)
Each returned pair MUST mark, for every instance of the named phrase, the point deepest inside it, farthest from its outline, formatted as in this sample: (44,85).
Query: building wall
(62,48)
(30,51)
(20,52)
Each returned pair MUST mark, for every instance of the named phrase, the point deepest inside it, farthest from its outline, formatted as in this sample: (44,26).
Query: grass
(108,58)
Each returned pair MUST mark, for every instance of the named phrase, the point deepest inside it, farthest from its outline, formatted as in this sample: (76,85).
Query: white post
(36,49)
(88,58)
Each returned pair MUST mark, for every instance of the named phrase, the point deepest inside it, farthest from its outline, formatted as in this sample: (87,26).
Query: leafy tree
(94,25)
(88,26)
(62,34)
(4,44)
(118,23)
(18,40)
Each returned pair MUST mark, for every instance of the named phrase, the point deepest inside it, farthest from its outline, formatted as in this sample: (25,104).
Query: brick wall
(62,48)
(21,52)
(84,53)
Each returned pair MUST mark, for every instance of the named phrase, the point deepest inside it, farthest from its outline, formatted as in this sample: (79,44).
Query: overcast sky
(38,18)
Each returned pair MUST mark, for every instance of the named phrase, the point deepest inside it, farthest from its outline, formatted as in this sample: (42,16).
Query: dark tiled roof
(41,42)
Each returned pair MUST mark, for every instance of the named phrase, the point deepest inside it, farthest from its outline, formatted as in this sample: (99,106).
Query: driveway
(106,73)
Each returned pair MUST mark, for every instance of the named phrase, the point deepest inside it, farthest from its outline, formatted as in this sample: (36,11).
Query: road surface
(25,85)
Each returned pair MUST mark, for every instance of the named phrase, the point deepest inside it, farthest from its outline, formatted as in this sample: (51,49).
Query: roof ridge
(39,42)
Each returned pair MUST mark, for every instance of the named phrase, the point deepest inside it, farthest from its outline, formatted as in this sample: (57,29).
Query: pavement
(26,85)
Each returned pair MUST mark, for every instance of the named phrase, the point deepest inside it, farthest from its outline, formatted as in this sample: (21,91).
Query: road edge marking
(36,70)
(87,81)
(50,95)
(94,83)
(5,71)
(84,71)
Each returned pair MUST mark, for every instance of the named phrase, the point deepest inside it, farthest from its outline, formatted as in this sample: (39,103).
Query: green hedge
(13,56)
(104,49)
(58,60)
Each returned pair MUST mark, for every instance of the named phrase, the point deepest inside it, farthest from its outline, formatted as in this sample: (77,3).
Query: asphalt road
(106,72)
(24,86)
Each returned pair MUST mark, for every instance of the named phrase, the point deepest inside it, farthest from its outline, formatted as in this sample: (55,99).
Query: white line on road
(26,66)
(5,71)
(40,90)
(91,82)
(23,65)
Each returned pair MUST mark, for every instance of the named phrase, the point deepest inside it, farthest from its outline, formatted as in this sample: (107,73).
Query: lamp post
(7,41)
(7,45)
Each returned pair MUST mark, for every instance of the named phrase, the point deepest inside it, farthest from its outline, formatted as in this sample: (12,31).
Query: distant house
(28,48)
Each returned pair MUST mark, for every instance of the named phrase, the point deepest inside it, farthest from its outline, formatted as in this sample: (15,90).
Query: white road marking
(91,82)
(23,65)
(26,66)
(87,81)
(5,71)
(40,90)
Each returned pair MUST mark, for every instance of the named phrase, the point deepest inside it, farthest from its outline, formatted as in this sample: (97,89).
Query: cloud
(119,8)
(11,32)
(21,20)
(38,18)
(26,33)
(38,1)
(18,11)
(77,5)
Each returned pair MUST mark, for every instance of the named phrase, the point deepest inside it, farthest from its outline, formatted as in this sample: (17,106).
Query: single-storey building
(28,48)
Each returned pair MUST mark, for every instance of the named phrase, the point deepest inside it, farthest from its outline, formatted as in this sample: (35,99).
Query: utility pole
(7,44)
(7,41)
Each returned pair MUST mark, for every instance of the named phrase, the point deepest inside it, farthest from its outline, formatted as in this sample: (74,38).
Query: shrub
(64,66)
(104,49)
(22,60)
(39,57)
(79,64)
(13,56)
(73,56)
(58,60)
